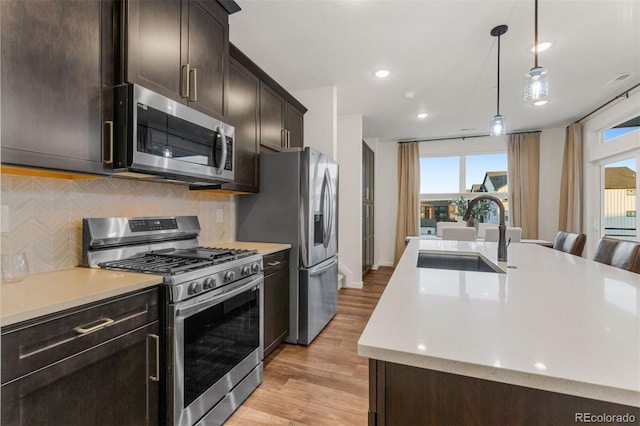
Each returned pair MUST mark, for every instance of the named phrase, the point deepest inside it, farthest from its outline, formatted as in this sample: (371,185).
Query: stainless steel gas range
(213,311)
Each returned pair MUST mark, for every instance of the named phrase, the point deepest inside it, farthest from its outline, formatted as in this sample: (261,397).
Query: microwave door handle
(223,160)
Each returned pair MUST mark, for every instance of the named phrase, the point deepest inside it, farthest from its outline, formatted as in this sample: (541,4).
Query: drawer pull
(274,263)
(89,328)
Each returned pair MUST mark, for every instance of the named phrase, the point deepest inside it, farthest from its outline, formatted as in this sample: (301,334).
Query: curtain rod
(625,94)
(466,137)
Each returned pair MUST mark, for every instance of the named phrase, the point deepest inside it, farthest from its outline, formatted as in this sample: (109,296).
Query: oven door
(217,341)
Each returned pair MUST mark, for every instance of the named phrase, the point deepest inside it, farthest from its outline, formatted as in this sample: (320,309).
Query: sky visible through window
(630,163)
(615,132)
(442,174)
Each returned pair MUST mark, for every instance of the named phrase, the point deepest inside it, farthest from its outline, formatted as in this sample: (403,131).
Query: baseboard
(354,285)
(387,264)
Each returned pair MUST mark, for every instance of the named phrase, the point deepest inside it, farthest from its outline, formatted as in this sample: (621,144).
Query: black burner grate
(177,261)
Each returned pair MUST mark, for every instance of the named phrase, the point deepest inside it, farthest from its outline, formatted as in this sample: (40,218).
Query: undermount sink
(456,261)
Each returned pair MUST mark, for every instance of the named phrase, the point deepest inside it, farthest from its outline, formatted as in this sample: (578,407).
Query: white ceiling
(443,51)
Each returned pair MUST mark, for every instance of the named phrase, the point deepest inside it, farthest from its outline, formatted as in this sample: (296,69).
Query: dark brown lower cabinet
(276,299)
(109,379)
(404,395)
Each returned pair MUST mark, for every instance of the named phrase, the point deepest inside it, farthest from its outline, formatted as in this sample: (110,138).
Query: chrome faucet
(502,239)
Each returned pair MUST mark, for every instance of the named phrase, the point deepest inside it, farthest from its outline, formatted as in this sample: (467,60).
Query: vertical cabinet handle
(184,84)
(107,143)
(156,378)
(193,81)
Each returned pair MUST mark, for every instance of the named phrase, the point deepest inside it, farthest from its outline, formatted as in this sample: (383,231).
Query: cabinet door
(293,123)
(243,114)
(271,118)
(276,309)
(155,44)
(208,52)
(52,84)
(276,299)
(110,384)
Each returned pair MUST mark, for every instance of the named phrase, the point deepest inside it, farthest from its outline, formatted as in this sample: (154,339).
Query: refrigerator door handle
(320,269)
(328,210)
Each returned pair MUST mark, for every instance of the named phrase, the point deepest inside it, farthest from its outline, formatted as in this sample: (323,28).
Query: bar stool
(619,253)
(570,242)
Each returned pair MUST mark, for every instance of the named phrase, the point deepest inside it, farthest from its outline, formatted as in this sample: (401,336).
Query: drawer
(34,344)
(275,262)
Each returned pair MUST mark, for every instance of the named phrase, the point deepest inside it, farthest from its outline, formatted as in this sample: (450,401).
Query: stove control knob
(209,283)
(229,276)
(255,268)
(195,288)
(246,270)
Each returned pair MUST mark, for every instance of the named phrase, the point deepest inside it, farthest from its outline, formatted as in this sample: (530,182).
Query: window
(622,130)
(619,199)
(448,183)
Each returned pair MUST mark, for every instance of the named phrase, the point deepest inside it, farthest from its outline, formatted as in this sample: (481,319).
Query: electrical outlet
(219,216)
(4,218)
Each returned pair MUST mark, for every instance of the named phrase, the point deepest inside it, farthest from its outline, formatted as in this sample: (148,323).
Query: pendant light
(536,81)
(497,125)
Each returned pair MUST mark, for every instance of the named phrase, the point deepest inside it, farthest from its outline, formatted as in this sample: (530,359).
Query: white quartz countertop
(49,292)
(553,321)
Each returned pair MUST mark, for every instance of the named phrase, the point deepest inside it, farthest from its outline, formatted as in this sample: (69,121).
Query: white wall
(596,153)
(551,153)
(321,119)
(386,202)
(350,196)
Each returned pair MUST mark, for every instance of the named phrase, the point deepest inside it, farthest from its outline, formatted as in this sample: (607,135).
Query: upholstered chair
(570,242)
(459,233)
(512,232)
(619,253)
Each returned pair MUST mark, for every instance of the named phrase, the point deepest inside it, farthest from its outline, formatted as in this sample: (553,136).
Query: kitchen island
(551,337)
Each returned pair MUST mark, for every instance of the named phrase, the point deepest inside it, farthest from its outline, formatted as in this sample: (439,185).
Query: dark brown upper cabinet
(57,66)
(180,49)
(244,115)
(281,121)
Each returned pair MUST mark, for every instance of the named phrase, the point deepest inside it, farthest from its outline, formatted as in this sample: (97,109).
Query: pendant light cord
(498,109)
(535,35)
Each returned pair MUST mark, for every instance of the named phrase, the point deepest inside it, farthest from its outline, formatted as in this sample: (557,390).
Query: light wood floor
(325,383)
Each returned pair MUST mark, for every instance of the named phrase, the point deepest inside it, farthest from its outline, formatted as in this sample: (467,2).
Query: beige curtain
(523,153)
(408,222)
(571,200)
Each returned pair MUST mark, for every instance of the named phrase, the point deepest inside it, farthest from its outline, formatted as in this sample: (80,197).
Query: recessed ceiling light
(423,115)
(382,73)
(542,46)
(541,102)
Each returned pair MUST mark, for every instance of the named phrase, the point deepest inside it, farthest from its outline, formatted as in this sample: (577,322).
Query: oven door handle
(203,303)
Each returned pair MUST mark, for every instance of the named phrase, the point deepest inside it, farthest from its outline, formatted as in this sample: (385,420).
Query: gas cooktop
(177,261)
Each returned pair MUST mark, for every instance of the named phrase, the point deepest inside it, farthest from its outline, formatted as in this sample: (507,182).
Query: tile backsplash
(45,215)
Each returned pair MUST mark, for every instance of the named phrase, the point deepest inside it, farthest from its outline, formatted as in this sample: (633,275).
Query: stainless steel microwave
(156,137)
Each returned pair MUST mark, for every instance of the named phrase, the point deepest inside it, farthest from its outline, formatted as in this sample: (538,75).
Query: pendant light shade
(536,84)
(536,81)
(497,125)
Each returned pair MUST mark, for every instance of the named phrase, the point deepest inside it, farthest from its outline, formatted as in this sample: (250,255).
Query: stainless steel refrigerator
(298,204)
